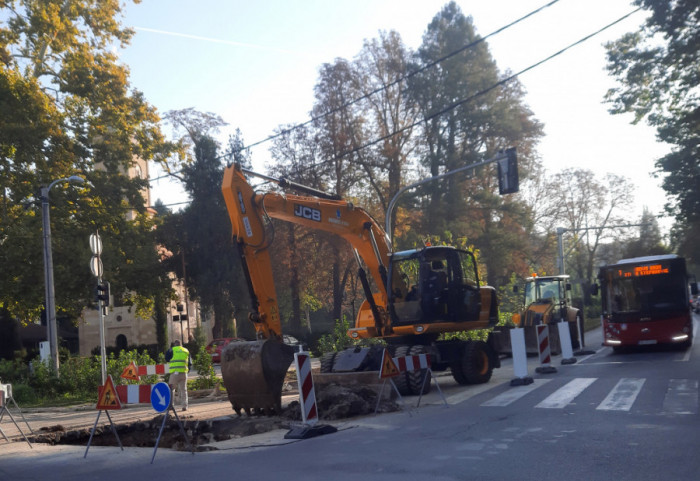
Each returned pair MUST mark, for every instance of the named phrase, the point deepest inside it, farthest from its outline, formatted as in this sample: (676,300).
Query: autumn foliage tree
(68,109)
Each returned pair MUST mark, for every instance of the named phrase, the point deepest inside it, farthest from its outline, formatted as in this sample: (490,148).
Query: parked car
(293,341)
(215,346)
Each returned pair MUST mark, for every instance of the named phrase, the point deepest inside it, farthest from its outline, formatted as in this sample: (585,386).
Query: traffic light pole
(103,351)
(507,181)
(101,295)
(560,240)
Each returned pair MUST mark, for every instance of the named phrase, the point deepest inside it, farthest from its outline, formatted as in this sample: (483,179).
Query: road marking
(565,395)
(468,393)
(623,395)
(681,397)
(515,393)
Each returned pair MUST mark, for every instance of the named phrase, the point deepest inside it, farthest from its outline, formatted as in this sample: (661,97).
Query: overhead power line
(458,103)
(401,79)
(454,104)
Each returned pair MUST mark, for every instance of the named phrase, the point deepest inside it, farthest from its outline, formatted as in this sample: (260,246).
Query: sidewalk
(202,406)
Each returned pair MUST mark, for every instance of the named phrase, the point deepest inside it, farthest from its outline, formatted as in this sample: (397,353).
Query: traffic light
(103,292)
(508,173)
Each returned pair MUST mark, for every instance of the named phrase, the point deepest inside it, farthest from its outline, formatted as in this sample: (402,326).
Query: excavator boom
(258,363)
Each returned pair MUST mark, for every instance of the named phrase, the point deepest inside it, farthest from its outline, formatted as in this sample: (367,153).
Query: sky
(255,64)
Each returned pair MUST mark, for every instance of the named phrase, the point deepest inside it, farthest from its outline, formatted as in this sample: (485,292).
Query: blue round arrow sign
(160,397)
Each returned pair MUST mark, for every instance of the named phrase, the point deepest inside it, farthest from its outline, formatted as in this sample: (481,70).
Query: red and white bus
(646,300)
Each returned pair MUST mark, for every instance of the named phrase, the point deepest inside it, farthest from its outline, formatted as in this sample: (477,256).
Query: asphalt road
(609,416)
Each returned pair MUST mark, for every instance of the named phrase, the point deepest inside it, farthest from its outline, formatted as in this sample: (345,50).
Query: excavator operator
(437,284)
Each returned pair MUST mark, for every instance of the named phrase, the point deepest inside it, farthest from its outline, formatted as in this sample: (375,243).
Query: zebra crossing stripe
(565,395)
(623,395)
(681,397)
(512,395)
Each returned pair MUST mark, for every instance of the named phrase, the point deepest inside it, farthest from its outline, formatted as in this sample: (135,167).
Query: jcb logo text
(307,212)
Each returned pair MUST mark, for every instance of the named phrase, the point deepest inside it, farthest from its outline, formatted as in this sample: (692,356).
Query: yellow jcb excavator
(412,297)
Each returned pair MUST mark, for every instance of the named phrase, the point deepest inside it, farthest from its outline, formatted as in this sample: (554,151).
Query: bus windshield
(649,296)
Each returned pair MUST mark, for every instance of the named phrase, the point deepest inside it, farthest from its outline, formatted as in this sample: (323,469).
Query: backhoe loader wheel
(476,363)
(327,360)
(415,378)
(401,381)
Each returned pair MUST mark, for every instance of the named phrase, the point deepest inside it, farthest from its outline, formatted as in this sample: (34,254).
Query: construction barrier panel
(392,367)
(545,353)
(517,341)
(307,398)
(307,395)
(567,351)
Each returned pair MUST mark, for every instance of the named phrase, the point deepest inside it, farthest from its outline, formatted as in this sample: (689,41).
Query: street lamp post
(50,306)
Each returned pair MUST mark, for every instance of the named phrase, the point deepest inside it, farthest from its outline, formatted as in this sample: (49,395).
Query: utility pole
(50,294)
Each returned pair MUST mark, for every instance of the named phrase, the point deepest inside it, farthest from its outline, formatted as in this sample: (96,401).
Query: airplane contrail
(213,40)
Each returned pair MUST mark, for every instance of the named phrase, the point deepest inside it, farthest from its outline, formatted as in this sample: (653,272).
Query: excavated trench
(334,402)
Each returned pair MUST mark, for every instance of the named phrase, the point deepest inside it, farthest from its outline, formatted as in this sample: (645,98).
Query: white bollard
(567,352)
(517,346)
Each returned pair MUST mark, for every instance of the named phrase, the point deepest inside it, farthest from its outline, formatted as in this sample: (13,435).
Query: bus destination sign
(642,271)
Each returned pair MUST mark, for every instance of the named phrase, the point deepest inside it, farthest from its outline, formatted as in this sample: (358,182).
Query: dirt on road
(334,402)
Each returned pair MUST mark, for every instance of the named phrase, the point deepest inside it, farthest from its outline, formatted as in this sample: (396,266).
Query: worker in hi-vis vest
(180,363)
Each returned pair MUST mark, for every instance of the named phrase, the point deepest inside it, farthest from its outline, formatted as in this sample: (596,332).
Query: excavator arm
(249,212)
(253,372)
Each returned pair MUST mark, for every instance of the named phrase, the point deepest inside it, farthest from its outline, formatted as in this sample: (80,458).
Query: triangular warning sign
(107,396)
(389,368)
(130,372)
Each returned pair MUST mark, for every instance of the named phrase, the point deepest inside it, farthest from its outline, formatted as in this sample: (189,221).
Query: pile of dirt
(333,401)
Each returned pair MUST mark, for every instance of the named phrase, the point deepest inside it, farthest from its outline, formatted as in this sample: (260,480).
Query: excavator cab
(434,284)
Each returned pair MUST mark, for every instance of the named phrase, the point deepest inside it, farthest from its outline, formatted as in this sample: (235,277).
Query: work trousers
(178,383)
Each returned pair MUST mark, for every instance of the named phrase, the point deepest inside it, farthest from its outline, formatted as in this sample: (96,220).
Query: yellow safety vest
(179,361)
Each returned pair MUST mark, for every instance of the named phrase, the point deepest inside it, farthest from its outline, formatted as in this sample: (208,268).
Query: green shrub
(338,339)
(201,362)
(24,394)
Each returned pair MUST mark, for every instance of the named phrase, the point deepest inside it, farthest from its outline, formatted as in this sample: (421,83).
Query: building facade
(122,327)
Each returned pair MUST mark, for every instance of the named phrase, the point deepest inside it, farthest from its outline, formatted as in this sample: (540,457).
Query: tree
(591,209)
(657,71)
(470,116)
(198,237)
(649,242)
(68,109)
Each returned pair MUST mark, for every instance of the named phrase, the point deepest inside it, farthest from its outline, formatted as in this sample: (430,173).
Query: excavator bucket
(253,373)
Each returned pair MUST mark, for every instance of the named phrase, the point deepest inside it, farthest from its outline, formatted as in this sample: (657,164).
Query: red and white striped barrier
(153,369)
(135,393)
(392,367)
(545,351)
(412,363)
(307,395)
